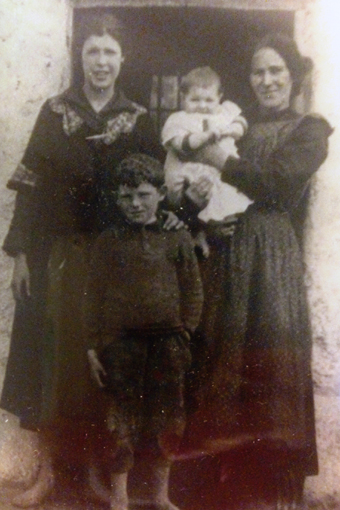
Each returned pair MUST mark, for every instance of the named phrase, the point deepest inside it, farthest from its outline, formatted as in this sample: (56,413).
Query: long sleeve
(18,237)
(190,285)
(282,179)
(26,180)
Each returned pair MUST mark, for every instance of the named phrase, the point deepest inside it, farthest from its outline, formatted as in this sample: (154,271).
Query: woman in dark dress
(257,412)
(63,203)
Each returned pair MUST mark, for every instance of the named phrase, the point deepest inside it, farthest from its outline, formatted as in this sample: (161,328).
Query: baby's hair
(200,77)
(137,169)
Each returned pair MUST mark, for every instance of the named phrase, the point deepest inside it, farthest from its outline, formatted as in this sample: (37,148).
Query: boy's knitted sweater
(144,278)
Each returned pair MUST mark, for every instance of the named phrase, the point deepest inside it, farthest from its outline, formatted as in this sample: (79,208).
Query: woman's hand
(213,155)
(21,278)
(97,370)
(172,222)
(199,192)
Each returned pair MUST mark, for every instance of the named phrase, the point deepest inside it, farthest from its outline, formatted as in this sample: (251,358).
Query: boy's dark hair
(200,77)
(138,168)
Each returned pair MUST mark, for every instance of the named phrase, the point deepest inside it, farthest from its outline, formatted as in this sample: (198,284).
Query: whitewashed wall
(323,251)
(35,65)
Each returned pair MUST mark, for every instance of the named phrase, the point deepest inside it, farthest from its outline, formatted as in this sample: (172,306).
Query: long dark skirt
(69,393)
(47,383)
(209,335)
(256,406)
(22,389)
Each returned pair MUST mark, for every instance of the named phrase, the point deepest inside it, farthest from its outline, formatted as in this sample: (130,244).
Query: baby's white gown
(224,200)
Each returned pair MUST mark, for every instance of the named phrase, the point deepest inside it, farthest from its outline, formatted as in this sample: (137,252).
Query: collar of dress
(118,116)
(255,114)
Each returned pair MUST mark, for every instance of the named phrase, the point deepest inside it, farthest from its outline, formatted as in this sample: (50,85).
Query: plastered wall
(35,65)
(323,251)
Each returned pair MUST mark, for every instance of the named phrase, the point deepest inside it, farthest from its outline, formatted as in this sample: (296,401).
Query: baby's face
(202,99)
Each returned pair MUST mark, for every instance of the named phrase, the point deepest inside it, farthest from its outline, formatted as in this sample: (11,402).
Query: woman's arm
(17,239)
(237,128)
(282,178)
(190,202)
(26,182)
(192,141)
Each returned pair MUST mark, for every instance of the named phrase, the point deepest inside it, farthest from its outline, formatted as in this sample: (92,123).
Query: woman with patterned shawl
(63,202)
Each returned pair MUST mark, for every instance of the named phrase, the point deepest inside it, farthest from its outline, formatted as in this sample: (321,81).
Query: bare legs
(149,491)
(152,490)
(119,497)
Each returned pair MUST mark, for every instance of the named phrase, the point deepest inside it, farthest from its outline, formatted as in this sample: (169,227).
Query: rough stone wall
(35,65)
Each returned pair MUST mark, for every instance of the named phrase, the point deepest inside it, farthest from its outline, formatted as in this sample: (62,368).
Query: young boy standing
(143,302)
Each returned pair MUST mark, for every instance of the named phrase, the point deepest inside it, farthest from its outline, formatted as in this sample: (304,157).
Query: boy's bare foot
(153,493)
(99,489)
(42,487)
(119,497)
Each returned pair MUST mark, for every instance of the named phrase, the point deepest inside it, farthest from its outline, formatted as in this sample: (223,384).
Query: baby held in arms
(204,119)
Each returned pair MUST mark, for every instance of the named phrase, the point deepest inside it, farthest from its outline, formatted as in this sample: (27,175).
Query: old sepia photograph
(170,255)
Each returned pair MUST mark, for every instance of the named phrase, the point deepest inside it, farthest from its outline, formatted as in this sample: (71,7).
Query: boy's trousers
(146,385)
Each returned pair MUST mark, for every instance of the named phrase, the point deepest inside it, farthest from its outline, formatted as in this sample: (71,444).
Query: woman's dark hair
(100,25)
(287,48)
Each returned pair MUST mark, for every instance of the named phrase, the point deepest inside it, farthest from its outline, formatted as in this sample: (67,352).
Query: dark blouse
(279,155)
(65,180)
(261,385)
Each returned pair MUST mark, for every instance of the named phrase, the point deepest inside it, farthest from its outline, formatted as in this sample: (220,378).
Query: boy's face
(139,205)
(202,99)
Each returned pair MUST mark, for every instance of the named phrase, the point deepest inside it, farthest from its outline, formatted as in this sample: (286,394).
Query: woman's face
(102,58)
(270,79)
